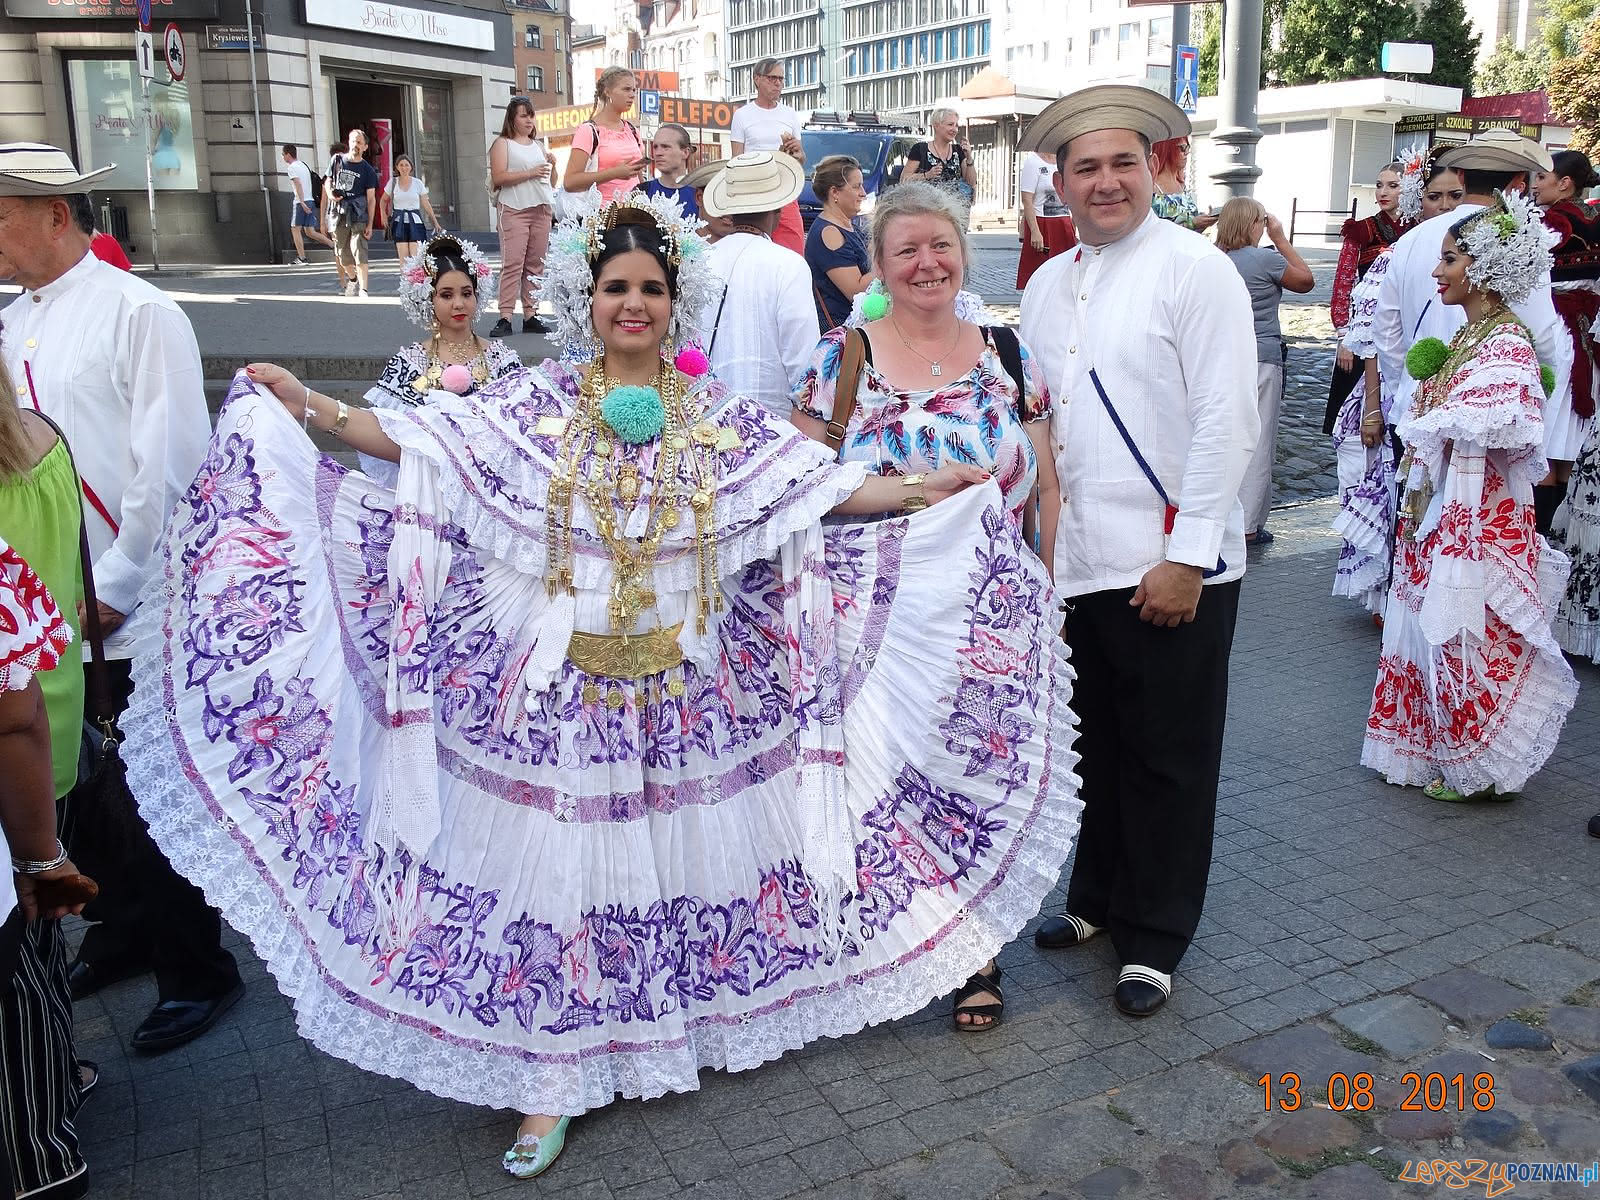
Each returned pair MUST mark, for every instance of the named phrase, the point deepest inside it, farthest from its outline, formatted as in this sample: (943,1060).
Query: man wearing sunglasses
(766,123)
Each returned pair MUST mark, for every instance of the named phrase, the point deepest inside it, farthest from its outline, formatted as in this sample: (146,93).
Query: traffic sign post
(173,39)
(144,49)
(1186,80)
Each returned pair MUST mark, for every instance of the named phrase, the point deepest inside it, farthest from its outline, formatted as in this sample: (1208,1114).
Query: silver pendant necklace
(933,363)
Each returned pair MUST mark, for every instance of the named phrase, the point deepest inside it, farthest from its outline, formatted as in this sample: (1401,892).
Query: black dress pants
(1151,705)
(146,913)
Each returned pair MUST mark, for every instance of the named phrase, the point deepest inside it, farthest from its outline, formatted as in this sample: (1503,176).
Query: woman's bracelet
(26,866)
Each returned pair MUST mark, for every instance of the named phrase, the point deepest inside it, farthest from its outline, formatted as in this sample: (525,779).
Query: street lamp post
(1237,133)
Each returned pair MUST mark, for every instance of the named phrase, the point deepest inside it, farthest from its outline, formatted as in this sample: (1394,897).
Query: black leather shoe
(502,328)
(174,1022)
(1058,933)
(1594,825)
(534,325)
(87,978)
(1138,997)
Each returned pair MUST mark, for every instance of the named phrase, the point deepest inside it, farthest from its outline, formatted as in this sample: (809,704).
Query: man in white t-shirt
(304,208)
(763,325)
(766,123)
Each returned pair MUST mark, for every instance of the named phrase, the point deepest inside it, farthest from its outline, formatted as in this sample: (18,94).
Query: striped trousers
(38,1070)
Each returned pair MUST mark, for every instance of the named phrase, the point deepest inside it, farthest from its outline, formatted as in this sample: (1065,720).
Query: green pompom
(1548,378)
(1425,358)
(875,307)
(635,414)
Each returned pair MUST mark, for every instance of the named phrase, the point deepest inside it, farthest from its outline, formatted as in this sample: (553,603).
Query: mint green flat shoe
(533,1153)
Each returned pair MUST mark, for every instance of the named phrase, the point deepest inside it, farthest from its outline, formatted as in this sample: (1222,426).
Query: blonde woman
(1267,272)
(943,160)
(521,172)
(607,151)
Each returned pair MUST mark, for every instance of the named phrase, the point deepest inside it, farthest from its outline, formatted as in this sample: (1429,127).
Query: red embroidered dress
(1364,240)
(1471,684)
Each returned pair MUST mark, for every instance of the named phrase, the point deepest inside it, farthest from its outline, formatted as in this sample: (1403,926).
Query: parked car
(879,146)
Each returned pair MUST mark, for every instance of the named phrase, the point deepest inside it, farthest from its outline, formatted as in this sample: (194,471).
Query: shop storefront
(429,82)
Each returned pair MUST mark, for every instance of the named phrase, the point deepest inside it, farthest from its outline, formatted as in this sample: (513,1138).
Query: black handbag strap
(101,706)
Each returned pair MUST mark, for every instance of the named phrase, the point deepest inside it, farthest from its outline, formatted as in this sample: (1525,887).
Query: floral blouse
(1181,208)
(972,419)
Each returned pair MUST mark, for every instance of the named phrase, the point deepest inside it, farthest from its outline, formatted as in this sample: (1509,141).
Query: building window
(536,79)
(535,38)
(1158,39)
(1098,40)
(102,87)
(1127,38)
(561,83)
(558,39)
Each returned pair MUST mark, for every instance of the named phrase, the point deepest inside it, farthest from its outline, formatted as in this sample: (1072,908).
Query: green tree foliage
(1563,25)
(1208,36)
(1575,90)
(1511,70)
(1321,41)
(1455,44)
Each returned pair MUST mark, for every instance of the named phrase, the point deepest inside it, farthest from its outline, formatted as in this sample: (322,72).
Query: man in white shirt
(1409,307)
(114,363)
(766,123)
(304,207)
(763,327)
(1149,325)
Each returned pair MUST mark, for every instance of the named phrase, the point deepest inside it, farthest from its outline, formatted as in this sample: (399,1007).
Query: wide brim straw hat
(1104,106)
(37,169)
(755,182)
(1497,150)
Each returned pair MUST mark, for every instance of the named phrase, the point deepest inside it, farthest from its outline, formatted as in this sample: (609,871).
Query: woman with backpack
(607,151)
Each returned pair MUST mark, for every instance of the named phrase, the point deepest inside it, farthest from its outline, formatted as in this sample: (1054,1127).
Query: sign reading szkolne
(110,10)
(451,29)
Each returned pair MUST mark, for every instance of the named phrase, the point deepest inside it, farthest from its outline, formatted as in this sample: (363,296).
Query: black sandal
(978,984)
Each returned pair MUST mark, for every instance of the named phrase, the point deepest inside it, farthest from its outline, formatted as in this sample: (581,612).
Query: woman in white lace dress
(1363,436)
(622,783)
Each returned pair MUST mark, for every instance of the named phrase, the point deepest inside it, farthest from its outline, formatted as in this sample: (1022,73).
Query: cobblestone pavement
(1351,929)
(1305,468)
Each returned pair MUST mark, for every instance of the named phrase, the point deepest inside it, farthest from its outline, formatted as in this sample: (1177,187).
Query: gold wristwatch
(340,421)
(915,501)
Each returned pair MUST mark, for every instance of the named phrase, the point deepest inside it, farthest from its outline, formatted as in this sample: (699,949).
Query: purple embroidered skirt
(627,884)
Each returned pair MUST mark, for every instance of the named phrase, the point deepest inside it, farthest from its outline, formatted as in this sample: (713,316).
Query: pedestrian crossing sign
(1186,79)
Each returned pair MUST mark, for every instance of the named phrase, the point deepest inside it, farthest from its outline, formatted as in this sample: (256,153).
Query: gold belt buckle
(634,656)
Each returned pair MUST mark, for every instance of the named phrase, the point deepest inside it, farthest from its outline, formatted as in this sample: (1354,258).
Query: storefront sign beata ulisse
(397,21)
(558,124)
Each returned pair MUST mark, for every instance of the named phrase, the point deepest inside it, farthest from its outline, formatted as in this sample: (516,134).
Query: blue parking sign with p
(649,103)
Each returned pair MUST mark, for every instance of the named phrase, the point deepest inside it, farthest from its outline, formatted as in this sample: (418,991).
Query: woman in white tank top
(520,173)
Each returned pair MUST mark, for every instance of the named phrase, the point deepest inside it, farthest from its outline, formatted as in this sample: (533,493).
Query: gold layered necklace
(1434,391)
(594,462)
(439,357)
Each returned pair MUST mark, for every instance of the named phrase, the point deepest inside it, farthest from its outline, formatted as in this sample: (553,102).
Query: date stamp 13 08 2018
(1433,1092)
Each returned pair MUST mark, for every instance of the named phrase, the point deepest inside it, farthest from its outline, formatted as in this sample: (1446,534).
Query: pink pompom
(692,361)
(482,269)
(416,275)
(457,379)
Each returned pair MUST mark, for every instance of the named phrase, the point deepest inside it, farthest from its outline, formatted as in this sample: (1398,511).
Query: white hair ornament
(1413,177)
(576,242)
(1510,246)
(420,274)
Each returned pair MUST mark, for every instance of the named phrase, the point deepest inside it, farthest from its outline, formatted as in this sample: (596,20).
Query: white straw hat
(1104,106)
(35,169)
(1498,150)
(755,182)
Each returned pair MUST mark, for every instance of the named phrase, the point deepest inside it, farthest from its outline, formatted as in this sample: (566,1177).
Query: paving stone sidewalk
(1351,929)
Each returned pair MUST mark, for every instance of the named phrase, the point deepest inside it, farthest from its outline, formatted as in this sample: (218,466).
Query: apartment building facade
(541,43)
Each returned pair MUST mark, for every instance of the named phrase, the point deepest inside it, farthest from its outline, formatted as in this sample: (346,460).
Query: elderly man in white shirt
(763,326)
(1409,308)
(114,363)
(1147,340)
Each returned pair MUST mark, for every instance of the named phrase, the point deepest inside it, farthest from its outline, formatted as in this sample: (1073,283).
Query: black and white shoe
(1141,991)
(1059,933)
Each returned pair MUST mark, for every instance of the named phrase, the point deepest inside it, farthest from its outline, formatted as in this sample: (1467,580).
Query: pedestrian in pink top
(607,150)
